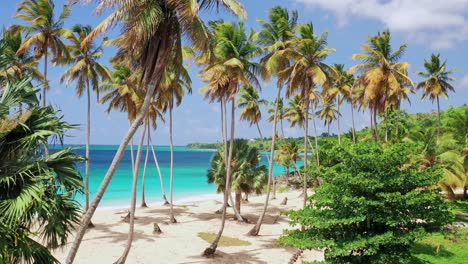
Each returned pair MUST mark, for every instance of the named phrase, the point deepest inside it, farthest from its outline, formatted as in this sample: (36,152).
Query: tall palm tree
(44,32)
(87,72)
(295,113)
(308,52)
(151,39)
(274,37)
(436,83)
(339,91)
(171,96)
(230,67)
(380,73)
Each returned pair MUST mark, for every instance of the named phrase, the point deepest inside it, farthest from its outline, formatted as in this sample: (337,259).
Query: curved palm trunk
(338,120)
(171,181)
(438,117)
(268,160)
(128,246)
(386,125)
(156,163)
(256,229)
(352,120)
(44,92)
(143,179)
(160,55)
(212,249)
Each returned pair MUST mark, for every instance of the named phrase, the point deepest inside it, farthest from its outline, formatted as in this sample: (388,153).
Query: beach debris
(295,257)
(173,220)
(126,218)
(285,201)
(156,229)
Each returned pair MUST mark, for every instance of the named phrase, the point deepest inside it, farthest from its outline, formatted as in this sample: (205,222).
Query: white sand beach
(179,243)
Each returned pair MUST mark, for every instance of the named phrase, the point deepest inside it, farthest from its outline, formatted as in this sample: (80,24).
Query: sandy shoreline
(179,243)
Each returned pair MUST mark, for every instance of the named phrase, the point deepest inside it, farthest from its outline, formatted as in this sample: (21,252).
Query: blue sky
(427,26)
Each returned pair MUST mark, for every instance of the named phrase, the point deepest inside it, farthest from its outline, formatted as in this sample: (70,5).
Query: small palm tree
(437,81)
(247,174)
(328,113)
(249,103)
(87,72)
(44,32)
(295,112)
(281,112)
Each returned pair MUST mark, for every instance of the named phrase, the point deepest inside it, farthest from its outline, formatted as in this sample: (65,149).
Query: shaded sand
(179,242)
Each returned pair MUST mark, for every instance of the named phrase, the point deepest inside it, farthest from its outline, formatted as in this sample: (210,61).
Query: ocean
(190,181)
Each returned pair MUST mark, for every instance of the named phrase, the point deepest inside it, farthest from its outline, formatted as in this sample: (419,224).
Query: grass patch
(224,241)
(283,189)
(443,248)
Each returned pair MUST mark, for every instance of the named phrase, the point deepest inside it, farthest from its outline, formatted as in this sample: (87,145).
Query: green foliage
(442,248)
(36,191)
(373,205)
(224,241)
(247,174)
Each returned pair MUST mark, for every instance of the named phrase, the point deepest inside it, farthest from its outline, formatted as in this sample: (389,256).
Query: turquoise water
(190,166)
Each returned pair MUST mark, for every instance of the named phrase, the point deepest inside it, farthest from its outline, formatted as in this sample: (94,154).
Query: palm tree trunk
(212,249)
(338,119)
(317,154)
(372,132)
(132,155)
(88,140)
(282,128)
(171,181)
(44,92)
(352,120)
(386,125)
(156,163)
(128,246)
(161,57)
(143,179)
(268,160)
(238,199)
(438,117)
(376,127)
(306,156)
(397,120)
(224,130)
(256,229)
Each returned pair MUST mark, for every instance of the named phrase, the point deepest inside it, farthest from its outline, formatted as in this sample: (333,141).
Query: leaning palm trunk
(44,92)
(438,117)
(397,121)
(143,179)
(128,246)
(224,130)
(160,56)
(338,120)
(212,249)
(256,229)
(156,163)
(171,181)
(268,160)
(88,135)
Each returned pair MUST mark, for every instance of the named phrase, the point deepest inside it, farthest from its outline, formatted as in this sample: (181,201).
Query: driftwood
(156,229)
(285,201)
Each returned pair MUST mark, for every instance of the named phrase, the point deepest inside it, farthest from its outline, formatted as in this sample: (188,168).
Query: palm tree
(437,81)
(87,72)
(44,32)
(172,93)
(38,211)
(339,91)
(151,43)
(229,68)
(16,66)
(380,73)
(308,51)
(328,113)
(249,103)
(275,36)
(247,174)
(281,112)
(295,113)
(288,154)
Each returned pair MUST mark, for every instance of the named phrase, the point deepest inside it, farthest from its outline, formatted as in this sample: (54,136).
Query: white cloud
(441,24)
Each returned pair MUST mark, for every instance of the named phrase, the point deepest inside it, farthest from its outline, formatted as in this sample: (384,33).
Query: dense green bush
(372,206)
